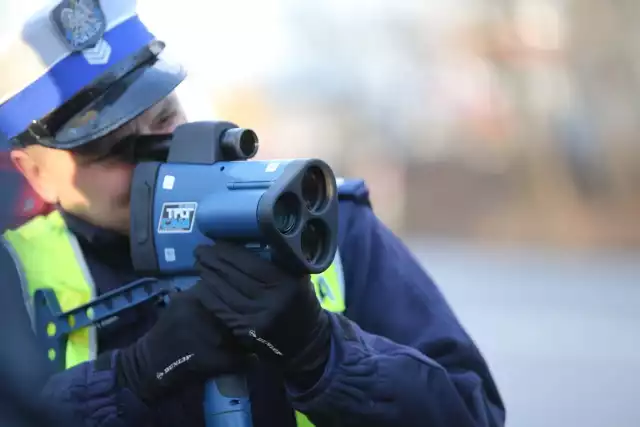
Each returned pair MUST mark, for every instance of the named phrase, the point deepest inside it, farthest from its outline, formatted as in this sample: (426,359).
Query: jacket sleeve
(87,394)
(399,357)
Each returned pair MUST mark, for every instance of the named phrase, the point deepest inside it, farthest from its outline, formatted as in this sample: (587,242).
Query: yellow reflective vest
(50,258)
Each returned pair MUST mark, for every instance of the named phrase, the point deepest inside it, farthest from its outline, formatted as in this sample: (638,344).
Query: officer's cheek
(58,177)
(105,183)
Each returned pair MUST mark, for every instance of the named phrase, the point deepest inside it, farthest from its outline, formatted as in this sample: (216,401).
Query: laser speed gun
(285,209)
(195,186)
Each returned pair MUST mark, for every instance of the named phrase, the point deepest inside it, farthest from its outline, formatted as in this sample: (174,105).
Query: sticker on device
(177,217)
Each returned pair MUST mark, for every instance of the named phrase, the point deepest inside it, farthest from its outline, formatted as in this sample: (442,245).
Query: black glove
(275,314)
(187,344)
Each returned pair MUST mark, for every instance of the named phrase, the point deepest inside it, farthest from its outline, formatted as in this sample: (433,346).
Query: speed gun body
(286,210)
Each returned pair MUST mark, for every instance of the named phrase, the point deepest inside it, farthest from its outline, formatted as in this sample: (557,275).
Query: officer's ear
(29,162)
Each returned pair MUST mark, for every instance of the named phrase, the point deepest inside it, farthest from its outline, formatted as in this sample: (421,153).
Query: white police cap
(78,70)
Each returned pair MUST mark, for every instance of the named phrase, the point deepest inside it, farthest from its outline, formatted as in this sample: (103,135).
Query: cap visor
(122,102)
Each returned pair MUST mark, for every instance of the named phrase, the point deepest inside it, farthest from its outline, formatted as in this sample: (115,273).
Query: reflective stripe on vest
(49,257)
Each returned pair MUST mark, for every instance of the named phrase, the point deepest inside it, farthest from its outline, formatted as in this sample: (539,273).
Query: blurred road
(560,330)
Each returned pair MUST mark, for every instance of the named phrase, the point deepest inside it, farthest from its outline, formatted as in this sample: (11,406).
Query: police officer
(369,342)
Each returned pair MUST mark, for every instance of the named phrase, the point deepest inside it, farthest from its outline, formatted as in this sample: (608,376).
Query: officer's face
(97,191)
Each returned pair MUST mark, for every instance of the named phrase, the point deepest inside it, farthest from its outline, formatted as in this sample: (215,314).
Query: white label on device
(168,182)
(169,254)
(271,167)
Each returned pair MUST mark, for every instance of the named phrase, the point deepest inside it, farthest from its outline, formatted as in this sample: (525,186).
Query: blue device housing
(193,204)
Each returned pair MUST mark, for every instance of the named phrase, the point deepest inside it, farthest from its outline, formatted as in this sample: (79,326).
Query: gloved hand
(187,344)
(273,313)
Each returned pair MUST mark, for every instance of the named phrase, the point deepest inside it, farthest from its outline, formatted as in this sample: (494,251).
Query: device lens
(286,213)
(314,188)
(313,240)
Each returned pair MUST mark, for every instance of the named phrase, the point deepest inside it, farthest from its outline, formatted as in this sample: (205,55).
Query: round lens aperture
(248,143)
(239,144)
(313,240)
(314,188)
(286,213)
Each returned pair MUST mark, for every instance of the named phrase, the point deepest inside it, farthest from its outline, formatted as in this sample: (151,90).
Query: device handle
(227,403)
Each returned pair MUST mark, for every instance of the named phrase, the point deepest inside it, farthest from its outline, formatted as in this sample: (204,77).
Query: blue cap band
(67,77)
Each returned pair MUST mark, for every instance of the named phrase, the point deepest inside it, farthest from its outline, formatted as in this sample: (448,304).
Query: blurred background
(499,139)
(502,120)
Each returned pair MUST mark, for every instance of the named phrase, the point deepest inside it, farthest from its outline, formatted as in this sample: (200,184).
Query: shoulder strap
(354,190)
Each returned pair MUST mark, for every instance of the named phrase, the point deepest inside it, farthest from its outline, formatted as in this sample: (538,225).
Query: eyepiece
(239,144)
(150,148)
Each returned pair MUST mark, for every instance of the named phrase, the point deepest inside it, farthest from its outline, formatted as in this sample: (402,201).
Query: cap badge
(81,23)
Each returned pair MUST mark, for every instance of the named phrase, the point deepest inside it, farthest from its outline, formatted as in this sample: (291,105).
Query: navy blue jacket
(401,358)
